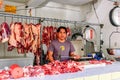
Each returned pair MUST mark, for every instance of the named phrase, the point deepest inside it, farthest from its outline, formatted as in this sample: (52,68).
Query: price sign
(10,8)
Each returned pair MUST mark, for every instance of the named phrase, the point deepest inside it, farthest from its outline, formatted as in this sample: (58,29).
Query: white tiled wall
(108,76)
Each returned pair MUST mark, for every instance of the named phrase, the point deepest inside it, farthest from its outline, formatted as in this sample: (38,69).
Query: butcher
(61,48)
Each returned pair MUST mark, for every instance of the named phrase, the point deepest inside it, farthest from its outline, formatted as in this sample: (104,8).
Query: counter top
(108,72)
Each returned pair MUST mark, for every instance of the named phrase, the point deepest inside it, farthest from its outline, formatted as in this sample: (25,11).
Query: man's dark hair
(62,27)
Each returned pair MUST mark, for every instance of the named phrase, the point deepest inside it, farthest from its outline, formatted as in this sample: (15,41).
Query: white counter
(108,72)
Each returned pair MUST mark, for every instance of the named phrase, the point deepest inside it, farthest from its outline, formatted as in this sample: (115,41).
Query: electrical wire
(100,26)
(95,12)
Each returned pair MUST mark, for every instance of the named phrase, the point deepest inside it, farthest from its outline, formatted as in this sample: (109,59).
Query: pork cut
(5,32)
(58,67)
(48,34)
(19,34)
(12,43)
(28,35)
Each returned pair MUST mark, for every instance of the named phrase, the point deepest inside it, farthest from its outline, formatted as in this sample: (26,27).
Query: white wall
(58,11)
(103,8)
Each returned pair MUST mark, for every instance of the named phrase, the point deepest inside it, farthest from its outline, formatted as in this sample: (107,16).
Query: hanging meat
(25,38)
(19,34)
(16,38)
(48,34)
(68,31)
(0,37)
(28,35)
(35,47)
(36,35)
(5,32)
(12,43)
(39,30)
(54,33)
(51,32)
(45,36)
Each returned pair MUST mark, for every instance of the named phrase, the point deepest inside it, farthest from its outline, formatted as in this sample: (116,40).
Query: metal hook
(48,23)
(21,19)
(29,20)
(51,22)
(33,20)
(4,18)
(67,24)
(26,19)
(18,19)
(12,18)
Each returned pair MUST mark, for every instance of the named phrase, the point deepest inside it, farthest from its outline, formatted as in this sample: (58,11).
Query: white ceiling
(18,1)
(39,2)
(72,2)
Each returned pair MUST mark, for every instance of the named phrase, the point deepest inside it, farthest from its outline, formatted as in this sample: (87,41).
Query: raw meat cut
(25,38)
(62,67)
(68,31)
(5,32)
(12,43)
(16,71)
(19,34)
(48,34)
(99,62)
(28,36)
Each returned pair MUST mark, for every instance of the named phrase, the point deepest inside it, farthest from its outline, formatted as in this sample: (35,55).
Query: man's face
(62,34)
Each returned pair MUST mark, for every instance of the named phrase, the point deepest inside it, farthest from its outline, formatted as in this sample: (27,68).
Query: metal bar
(86,23)
(46,19)
(18,16)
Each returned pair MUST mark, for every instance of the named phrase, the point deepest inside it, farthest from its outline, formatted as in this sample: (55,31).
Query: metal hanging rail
(46,19)
(18,16)
(58,20)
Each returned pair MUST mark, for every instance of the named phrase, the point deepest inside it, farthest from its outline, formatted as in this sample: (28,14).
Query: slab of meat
(5,32)
(4,74)
(0,37)
(51,32)
(19,34)
(25,38)
(16,39)
(68,31)
(22,50)
(54,33)
(34,45)
(62,67)
(28,35)
(48,34)
(12,43)
(33,71)
(38,30)
(99,62)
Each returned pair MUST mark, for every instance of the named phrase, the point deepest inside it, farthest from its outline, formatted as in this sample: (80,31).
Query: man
(61,49)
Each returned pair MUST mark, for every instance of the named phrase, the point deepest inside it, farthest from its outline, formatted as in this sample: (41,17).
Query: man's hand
(74,56)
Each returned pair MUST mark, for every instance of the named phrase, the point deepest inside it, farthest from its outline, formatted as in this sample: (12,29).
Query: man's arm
(50,56)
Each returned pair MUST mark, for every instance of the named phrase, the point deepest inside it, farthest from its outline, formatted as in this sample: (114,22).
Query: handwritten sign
(10,8)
